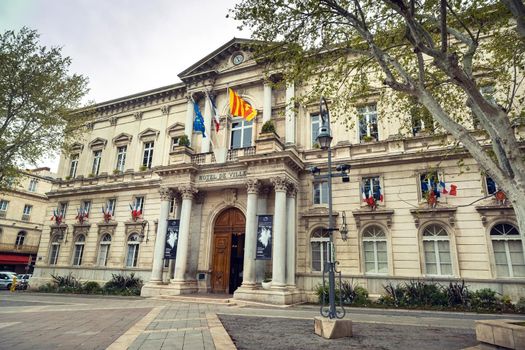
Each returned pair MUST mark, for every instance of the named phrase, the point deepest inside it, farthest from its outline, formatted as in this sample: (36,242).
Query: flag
(214,114)
(378,196)
(240,108)
(364,195)
(443,187)
(198,123)
(453,190)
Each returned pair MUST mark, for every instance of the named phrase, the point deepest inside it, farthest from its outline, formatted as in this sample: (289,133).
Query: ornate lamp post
(325,139)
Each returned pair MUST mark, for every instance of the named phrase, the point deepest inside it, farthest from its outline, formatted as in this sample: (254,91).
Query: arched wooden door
(228,251)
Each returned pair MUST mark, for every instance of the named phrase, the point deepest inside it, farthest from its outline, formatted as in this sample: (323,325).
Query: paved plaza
(45,321)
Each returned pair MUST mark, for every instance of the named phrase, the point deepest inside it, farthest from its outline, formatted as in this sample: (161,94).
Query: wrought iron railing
(232,155)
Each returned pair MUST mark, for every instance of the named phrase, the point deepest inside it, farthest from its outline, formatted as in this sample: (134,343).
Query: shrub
(184,140)
(122,284)
(47,288)
(353,294)
(143,168)
(268,127)
(395,295)
(484,299)
(68,281)
(520,305)
(323,291)
(92,287)
(458,294)
(420,293)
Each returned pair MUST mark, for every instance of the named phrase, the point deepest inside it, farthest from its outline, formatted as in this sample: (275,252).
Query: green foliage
(458,294)
(92,287)
(268,127)
(118,285)
(353,294)
(123,284)
(143,168)
(484,299)
(37,95)
(116,172)
(67,281)
(520,305)
(184,141)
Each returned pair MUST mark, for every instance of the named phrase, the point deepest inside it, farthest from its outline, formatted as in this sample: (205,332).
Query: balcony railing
(13,248)
(3,213)
(26,217)
(232,155)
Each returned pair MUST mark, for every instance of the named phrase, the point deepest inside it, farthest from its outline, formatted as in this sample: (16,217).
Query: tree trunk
(518,204)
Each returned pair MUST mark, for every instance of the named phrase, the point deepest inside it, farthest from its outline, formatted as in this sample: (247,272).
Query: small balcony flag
(198,123)
(241,108)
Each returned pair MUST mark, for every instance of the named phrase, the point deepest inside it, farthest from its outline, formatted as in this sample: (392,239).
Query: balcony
(231,155)
(26,217)
(23,249)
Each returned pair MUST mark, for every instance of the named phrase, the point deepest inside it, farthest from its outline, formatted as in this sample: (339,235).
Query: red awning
(14,259)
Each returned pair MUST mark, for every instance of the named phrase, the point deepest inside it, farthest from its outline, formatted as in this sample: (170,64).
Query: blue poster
(264,237)
(172,238)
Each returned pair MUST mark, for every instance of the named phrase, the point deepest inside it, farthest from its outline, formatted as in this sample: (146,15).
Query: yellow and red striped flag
(241,108)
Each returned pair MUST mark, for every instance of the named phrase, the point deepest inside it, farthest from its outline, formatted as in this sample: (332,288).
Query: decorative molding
(280,183)
(317,215)
(199,197)
(363,217)
(492,213)
(98,143)
(107,227)
(292,190)
(253,186)
(175,129)
(165,109)
(149,133)
(138,115)
(60,230)
(122,139)
(187,192)
(81,229)
(113,121)
(134,227)
(424,215)
(90,125)
(230,195)
(77,147)
(165,194)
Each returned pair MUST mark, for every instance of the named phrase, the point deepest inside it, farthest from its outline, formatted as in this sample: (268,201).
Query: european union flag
(198,123)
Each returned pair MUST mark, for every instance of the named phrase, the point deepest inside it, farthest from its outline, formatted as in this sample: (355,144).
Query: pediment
(221,57)
(122,138)
(77,147)
(149,133)
(176,128)
(98,143)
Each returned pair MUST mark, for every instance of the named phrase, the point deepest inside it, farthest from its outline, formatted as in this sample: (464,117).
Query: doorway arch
(228,251)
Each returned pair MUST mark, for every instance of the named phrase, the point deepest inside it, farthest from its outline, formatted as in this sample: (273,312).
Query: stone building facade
(22,212)
(130,157)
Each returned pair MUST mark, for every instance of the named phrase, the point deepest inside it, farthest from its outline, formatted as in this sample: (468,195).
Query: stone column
(289,113)
(267,102)
(181,263)
(279,233)
(188,124)
(160,240)
(205,146)
(290,235)
(250,242)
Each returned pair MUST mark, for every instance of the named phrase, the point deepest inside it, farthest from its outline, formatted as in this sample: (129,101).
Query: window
(508,251)
(111,204)
(421,124)
(86,206)
(321,192)
(32,185)
(371,187)
(133,250)
(172,206)
(73,166)
(241,134)
(54,250)
(95,168)
(374,248)
(121,158)
(3,207)
(175,141)
(20,238)
(103,250)
(429,181)
(79,250)
(138,203)
(315,122)
(320,245)
(436,247)
(62,209)
(27,212)
(147,160)
(367,123)
(492,187)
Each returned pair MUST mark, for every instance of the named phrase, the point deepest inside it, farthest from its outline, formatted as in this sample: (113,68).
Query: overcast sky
(125,46)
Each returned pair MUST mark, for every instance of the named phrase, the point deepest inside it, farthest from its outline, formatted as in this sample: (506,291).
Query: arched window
(436,247)
(374,248)
(20,238)
(133,250)
(320,243)
(103,250)
(79,250)
(54,250)
(508,250)
(241,133)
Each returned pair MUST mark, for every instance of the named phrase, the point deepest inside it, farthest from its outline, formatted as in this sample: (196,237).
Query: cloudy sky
(125,46)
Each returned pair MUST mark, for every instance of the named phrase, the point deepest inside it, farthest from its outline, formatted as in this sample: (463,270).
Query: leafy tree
(37,94)
(436,54)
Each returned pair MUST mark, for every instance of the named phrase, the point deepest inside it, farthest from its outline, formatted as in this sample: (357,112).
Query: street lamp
(325,139)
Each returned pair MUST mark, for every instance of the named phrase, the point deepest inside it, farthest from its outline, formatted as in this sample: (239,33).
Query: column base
(173,288)
(278,296)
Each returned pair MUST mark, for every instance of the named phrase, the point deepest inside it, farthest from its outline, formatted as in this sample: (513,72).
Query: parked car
(22,281)
(6,279)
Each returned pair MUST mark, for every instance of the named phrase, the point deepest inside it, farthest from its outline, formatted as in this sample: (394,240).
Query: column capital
(280,183)
(187,191)
(253,186)
(291,190)
(165,193)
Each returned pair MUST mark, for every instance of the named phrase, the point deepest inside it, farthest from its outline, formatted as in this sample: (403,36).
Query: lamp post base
(332,328)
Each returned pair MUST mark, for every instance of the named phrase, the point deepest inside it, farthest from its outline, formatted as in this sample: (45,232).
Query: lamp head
(314,170)
(324,138)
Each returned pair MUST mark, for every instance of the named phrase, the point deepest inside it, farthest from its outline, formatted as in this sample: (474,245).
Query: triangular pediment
(175,128)
(98,143)
(148,133)
(221,57)
(122,138)
(77,147)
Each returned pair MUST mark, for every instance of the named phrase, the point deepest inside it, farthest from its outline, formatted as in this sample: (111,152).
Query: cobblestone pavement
(46,321)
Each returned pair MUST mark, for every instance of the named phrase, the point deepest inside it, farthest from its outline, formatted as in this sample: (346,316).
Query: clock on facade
(238,59)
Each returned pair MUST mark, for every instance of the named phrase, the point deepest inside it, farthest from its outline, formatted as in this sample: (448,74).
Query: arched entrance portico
(228,251)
